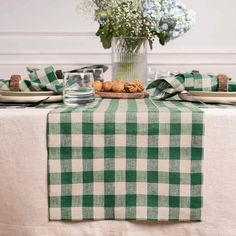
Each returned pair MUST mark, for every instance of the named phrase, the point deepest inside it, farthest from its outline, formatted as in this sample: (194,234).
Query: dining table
(24,189)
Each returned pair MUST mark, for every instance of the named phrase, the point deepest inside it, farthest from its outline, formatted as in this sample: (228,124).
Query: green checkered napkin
(169,86)
(37,80)
(126,160)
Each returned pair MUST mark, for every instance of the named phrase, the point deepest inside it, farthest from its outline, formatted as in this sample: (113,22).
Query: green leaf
(105,36)
(150,44)
(162,39)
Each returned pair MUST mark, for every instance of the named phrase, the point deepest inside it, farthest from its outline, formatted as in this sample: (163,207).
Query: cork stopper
(14,83)
(223,82)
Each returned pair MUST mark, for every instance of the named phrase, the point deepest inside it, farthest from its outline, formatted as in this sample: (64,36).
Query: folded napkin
(47,80)
(166,87)
(37,80)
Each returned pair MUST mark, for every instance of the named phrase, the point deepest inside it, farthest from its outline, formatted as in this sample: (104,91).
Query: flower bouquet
(129,25)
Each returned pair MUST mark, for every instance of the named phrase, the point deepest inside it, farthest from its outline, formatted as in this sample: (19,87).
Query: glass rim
(77,73)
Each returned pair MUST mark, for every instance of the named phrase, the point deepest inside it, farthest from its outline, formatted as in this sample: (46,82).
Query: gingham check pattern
(169,86)
(126,160)
(37,80)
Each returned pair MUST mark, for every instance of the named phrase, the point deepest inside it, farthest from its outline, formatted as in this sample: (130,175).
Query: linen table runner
(126,160)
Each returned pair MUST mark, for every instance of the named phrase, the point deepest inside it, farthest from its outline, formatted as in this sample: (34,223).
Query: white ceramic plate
(29,99)
(209,97)
(30,93)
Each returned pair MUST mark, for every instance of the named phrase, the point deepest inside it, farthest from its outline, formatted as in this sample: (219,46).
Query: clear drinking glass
(78,89)
(97,73)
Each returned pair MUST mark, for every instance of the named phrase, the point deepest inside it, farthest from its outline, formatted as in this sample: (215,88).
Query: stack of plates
(209,97)
(29,97)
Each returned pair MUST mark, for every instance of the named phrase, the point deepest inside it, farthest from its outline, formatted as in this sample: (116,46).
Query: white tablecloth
(23,183)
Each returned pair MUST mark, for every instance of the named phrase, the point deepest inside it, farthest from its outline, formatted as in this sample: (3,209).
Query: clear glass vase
(129,59)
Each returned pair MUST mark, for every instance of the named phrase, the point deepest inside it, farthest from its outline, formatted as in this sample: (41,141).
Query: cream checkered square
(76,117)
(120,117)
(41,74)
(76,140)
(55,166)
(55,213)
(98,212)
(120,188)
(100,117)
(163,165)
(98,164)
(189,82)
(77,189)
(142,140)
(120,164)
(77,213)
(163,141)
(77,165)
(185,190)
(55,119)
(184,213)
(119,213)
(123,105)
(163,189)
(98,140)
(164,117)
(142,118)
(206,83)
(55,141)
(185,166)
(185,140)
(98,188)
(141,188)
(186,117)
(141,164)
(120,140)
(55,190)
(163,213)
(141,213)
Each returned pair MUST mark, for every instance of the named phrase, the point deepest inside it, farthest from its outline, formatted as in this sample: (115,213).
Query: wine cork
(14,84)
(223,82)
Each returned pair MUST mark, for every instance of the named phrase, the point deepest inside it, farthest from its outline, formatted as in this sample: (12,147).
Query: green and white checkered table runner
(126,160)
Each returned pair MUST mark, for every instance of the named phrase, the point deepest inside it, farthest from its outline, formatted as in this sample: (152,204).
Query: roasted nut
(118,86)
(139,85)
(97,85)
(134,87)
(106,86)
(131,87)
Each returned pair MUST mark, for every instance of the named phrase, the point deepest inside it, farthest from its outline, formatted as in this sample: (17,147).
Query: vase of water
(129,59)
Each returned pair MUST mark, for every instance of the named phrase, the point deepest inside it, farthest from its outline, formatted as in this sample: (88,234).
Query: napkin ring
(223,82)
(14,83)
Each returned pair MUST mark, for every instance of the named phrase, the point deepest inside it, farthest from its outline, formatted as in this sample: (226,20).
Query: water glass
(78,88)
(97,73)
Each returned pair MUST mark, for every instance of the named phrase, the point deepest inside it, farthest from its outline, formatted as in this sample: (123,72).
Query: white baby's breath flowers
(164,19)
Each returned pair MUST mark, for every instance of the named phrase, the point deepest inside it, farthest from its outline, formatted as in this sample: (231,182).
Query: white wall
(39,33)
